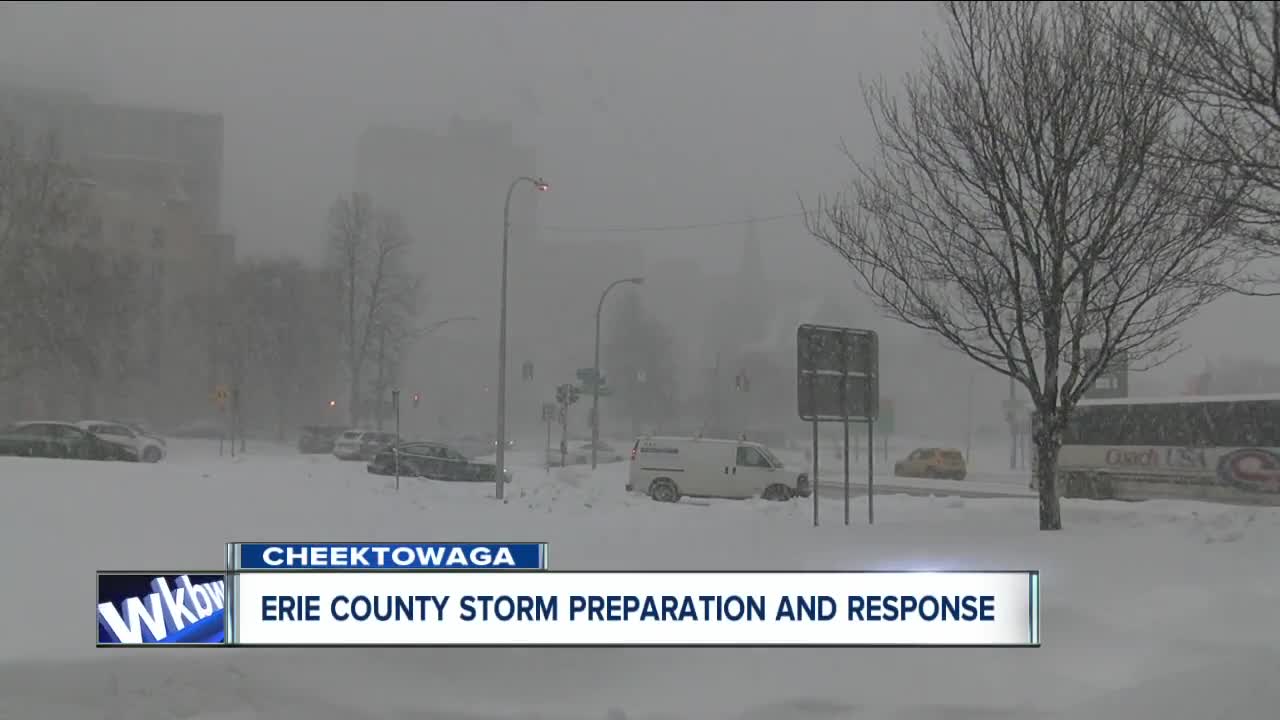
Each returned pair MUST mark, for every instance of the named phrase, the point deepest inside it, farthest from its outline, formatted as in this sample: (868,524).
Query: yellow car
(945,463)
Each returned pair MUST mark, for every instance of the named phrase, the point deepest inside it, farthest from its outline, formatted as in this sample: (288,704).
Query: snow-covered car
(435,461)
(145,431)
(60,440)
(581,455)
(361,444)
(144,447)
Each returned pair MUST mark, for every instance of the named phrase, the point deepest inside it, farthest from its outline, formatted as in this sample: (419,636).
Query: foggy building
(163,233)
(449,188)
(154,150)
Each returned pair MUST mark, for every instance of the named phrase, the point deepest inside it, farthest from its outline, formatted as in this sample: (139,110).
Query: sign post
(838,380)
(220,395)
(566,395)
(548,417)
(395,403)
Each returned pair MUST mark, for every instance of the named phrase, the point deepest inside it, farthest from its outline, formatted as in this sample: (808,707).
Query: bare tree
(397,307)
(369,248)
(1034,199)
(41,197)
(92,300)
(1226,56)
(290,327)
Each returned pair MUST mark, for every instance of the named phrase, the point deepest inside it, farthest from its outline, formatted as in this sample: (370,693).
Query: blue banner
(160,608)
(365,557)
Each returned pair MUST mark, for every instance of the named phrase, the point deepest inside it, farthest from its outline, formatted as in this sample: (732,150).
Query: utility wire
(665,228)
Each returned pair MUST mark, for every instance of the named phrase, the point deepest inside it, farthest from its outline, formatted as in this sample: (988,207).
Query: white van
(669,468)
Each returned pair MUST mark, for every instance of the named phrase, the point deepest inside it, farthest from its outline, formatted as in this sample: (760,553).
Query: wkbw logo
(180,609)
(1251,469)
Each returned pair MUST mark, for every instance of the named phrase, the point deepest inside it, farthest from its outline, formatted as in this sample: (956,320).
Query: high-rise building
(449,187)
(151,151)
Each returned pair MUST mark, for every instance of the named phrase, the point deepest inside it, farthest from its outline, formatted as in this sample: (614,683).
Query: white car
(668,468)
(360,444)
(144,447)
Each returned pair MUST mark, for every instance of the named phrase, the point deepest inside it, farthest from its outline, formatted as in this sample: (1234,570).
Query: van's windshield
(773,459)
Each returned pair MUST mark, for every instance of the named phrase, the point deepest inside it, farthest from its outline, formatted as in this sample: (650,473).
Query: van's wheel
(151,455)
(663,490)
(777,493)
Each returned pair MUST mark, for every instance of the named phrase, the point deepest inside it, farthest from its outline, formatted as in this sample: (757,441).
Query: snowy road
(975,488)
(1151,611)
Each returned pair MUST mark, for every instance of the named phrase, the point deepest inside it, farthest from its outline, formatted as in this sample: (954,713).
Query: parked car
(318,438)
(146,448)
(668,468)
(947,463)
(144,430)
(59,440)
(581,455)
(361,444)
(435,461)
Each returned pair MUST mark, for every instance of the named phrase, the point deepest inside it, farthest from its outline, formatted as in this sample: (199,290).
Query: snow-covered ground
(1152,610)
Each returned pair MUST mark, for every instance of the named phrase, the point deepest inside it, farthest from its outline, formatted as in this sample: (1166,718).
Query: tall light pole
(595,380)
(500,460)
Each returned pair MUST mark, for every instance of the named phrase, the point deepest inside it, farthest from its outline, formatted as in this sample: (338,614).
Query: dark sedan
(435,461)
(59,440)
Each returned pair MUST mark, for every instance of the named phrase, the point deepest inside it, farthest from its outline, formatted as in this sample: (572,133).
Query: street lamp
(500,460)
(595,380)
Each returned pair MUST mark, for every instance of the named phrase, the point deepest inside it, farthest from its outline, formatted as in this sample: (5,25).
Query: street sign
(1114,380)
(548,412)
(832,363)
(838,380)
(884,422)
(586,376)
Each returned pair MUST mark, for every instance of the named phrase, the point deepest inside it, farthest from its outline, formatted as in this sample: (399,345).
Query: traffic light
(417,398)
(567,394)
(333,403)
(526,370)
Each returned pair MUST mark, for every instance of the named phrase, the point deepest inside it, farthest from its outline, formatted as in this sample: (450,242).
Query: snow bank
(1150,611)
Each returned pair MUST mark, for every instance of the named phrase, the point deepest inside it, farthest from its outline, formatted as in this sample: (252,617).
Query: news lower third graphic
(333,556)
(496,594)
(161,609)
